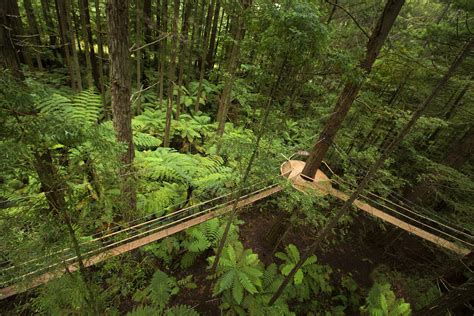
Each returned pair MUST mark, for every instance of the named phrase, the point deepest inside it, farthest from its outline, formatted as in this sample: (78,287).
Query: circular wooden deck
(292,169)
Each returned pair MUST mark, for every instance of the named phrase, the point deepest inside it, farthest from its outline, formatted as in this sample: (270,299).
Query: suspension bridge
(140,232)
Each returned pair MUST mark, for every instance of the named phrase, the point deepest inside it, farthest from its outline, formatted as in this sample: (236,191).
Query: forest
(236,157)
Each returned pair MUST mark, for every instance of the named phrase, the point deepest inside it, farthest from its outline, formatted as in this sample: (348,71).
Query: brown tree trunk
(17,32)
(138,53)
(75,46)
(171,74)
(232,63)
(185,51)
(65,42)
(85,14)
(163,48)
(120,90)
(212,41)
(33,30)
(51,30)
(351,89)
(9,56)
(202,60)
(85,37)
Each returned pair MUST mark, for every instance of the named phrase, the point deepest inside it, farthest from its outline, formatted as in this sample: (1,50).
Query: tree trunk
(332,223)
(202,59)
(74,46)
(33,29)
(100,48)
(147,18)
(63,31)
(185,51)
(171,74)
(51,30)
(17,32)
(85,14)
(138,53)
(164,44)
(351,89)
(85,37)
(331,14)
(232,63)
(120,90)
(9,56)
(212,42)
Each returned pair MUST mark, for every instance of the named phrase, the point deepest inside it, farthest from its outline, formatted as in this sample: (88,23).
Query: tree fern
(181,310)
(381,301)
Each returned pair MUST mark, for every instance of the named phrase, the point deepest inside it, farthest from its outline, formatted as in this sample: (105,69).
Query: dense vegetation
(117,113)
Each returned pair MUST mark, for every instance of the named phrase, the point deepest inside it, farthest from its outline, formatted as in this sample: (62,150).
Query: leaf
(238,292)
(287,269)
(299,277)
(247,284)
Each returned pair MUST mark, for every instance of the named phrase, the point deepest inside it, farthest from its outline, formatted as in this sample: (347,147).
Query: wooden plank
(48,276)
(403,225)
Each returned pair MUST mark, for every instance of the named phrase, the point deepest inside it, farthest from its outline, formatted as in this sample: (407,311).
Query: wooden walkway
(165,232)
(322,185)
(290,169)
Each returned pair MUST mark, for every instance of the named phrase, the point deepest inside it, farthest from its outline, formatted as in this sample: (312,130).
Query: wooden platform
(323,184)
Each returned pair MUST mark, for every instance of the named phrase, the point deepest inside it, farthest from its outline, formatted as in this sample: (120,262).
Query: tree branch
(350,15)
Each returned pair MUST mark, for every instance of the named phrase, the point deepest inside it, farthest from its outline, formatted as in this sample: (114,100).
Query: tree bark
(120,90)
(85,28)
(185,51)
(171,75)
(139,36)
(45,8)
(202,60)
(74,46)
(212,41)
(33,29)
(9,56)
(16,32)
(232,65)
(351,88)
(84,5)
(163,49)
(63,31)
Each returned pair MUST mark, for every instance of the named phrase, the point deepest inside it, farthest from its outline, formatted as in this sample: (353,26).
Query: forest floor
(366,246)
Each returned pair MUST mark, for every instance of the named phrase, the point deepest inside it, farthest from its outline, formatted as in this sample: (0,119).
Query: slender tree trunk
(120,90)
(85,37)
(212,42)
(171,74)
(375,167)
(17,32)
(147,18)
(232,63)
(139,36)
(164,44)
(351,89)
(51,30)
(84,5)
(202,59)
(65,43)
(9,56)
(33,28)
(74,48)
(331,14)
(100,49)
(185,50)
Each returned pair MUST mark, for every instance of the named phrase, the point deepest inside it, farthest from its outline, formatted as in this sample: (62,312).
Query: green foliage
(381,301)
(310,279)
(239,272)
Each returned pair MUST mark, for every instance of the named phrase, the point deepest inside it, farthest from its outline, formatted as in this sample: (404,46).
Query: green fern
(239,272)
(382,301)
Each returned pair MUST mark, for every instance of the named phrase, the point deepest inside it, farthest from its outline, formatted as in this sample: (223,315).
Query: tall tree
(85,28)
(9,57)
(352,88)
(50,29)
(171,74)
(120,90)
(33,30)
(89,42)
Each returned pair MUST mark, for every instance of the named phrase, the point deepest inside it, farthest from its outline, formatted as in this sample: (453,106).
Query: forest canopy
(237,157)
